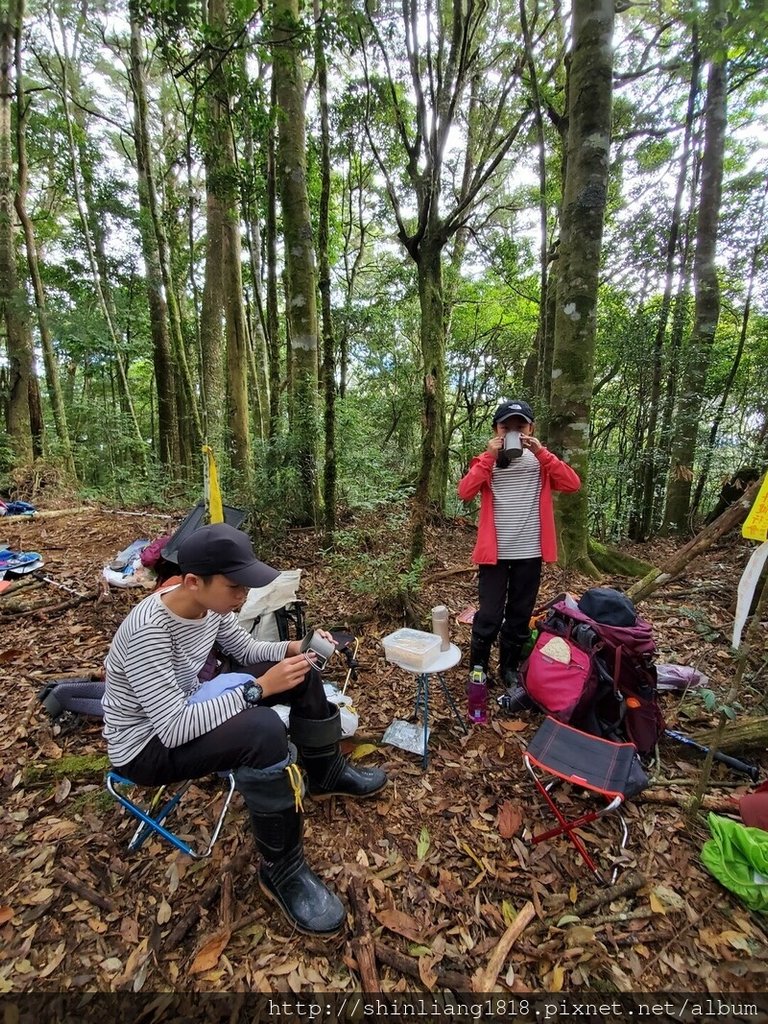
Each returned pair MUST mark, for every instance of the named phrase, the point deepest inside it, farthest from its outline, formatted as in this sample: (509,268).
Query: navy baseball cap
(220,548)
(513,408)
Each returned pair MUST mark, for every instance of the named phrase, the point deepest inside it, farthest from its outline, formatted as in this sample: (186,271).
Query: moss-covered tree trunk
(270,241)
(13,307)
(211,314)
(430,486)
(586,182)
(299,252)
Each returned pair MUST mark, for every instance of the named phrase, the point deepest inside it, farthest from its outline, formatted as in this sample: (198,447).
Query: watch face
(253,693)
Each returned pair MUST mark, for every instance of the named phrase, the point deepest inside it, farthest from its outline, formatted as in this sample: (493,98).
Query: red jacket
(555,474)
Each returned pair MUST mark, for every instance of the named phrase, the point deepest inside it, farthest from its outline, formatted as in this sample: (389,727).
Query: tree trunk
(256,320)
(237,338)
(589,135)
(329,361)
(649,460)
(733,515)
(543,332)
(707,289)
(167,423)
(273,329)
(55,393)
(13,305)
(212,310)
(679,318)
(300,257)
(224,287)
(444,48)
(757,250)
(428,498)
(94,243)
(356,182)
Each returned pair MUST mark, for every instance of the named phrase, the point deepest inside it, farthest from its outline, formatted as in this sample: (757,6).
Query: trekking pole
(38,574)
(751,770)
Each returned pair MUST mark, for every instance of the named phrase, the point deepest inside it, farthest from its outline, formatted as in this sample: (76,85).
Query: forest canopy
(327,239)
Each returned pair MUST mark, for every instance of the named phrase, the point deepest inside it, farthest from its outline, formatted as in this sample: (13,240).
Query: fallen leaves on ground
(444,855)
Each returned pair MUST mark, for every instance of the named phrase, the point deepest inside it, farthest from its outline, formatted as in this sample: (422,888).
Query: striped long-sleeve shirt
(152,670)
(516,494)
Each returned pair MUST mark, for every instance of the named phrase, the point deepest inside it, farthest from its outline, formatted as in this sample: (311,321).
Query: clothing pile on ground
(127,569)
(18,563)
(16,508)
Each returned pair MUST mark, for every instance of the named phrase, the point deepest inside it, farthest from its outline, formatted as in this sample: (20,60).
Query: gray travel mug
(321,648)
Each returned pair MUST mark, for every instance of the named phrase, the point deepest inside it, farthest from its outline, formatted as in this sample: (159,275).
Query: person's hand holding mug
(531,442)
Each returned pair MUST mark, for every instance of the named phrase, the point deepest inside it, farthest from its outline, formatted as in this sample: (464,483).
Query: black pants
(507,595)
(255,738)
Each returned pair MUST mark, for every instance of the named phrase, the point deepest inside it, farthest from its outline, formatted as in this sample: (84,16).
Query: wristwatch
(252,694)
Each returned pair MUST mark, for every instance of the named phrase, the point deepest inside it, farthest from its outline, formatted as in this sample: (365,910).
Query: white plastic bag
(349,717)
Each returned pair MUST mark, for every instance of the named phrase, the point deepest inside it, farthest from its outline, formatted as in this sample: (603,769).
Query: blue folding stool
(151,820)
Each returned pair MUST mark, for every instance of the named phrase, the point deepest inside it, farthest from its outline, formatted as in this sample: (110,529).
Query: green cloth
(738,858)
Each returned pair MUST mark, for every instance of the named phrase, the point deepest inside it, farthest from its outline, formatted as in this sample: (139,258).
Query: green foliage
(713,704)
(491,290)
(376,562)
(6,458)
(276,491)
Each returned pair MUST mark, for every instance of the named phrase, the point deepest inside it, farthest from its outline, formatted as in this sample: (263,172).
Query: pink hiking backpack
(592,666)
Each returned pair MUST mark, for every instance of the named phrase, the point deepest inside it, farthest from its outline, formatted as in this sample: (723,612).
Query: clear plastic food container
(411,648)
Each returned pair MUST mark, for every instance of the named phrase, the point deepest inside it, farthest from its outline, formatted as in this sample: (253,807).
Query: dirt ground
(442,856)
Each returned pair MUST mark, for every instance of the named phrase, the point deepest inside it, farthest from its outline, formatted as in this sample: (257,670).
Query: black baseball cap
(513,408)
(220,548)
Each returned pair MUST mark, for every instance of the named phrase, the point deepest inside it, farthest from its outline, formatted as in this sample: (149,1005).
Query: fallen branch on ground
(709,803)
(633,881)
(363,945)
(484,980)
(52,514)
(452,980)
(447,573)
(83,890)
(206,898)
(733,515)
(48,609)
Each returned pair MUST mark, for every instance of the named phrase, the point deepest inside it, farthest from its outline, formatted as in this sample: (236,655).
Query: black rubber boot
(509,659)
(273,797)
(328,772)
(514,697)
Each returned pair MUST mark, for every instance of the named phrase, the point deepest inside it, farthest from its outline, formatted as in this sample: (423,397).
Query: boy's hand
(285,675)
(294,647)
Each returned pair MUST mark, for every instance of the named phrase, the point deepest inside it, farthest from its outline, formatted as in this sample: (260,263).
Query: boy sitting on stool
(161,725)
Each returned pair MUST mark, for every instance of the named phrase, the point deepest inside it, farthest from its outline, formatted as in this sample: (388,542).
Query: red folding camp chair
(583,760)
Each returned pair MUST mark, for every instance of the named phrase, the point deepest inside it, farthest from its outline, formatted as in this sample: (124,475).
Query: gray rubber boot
(328,772)
(273,797)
